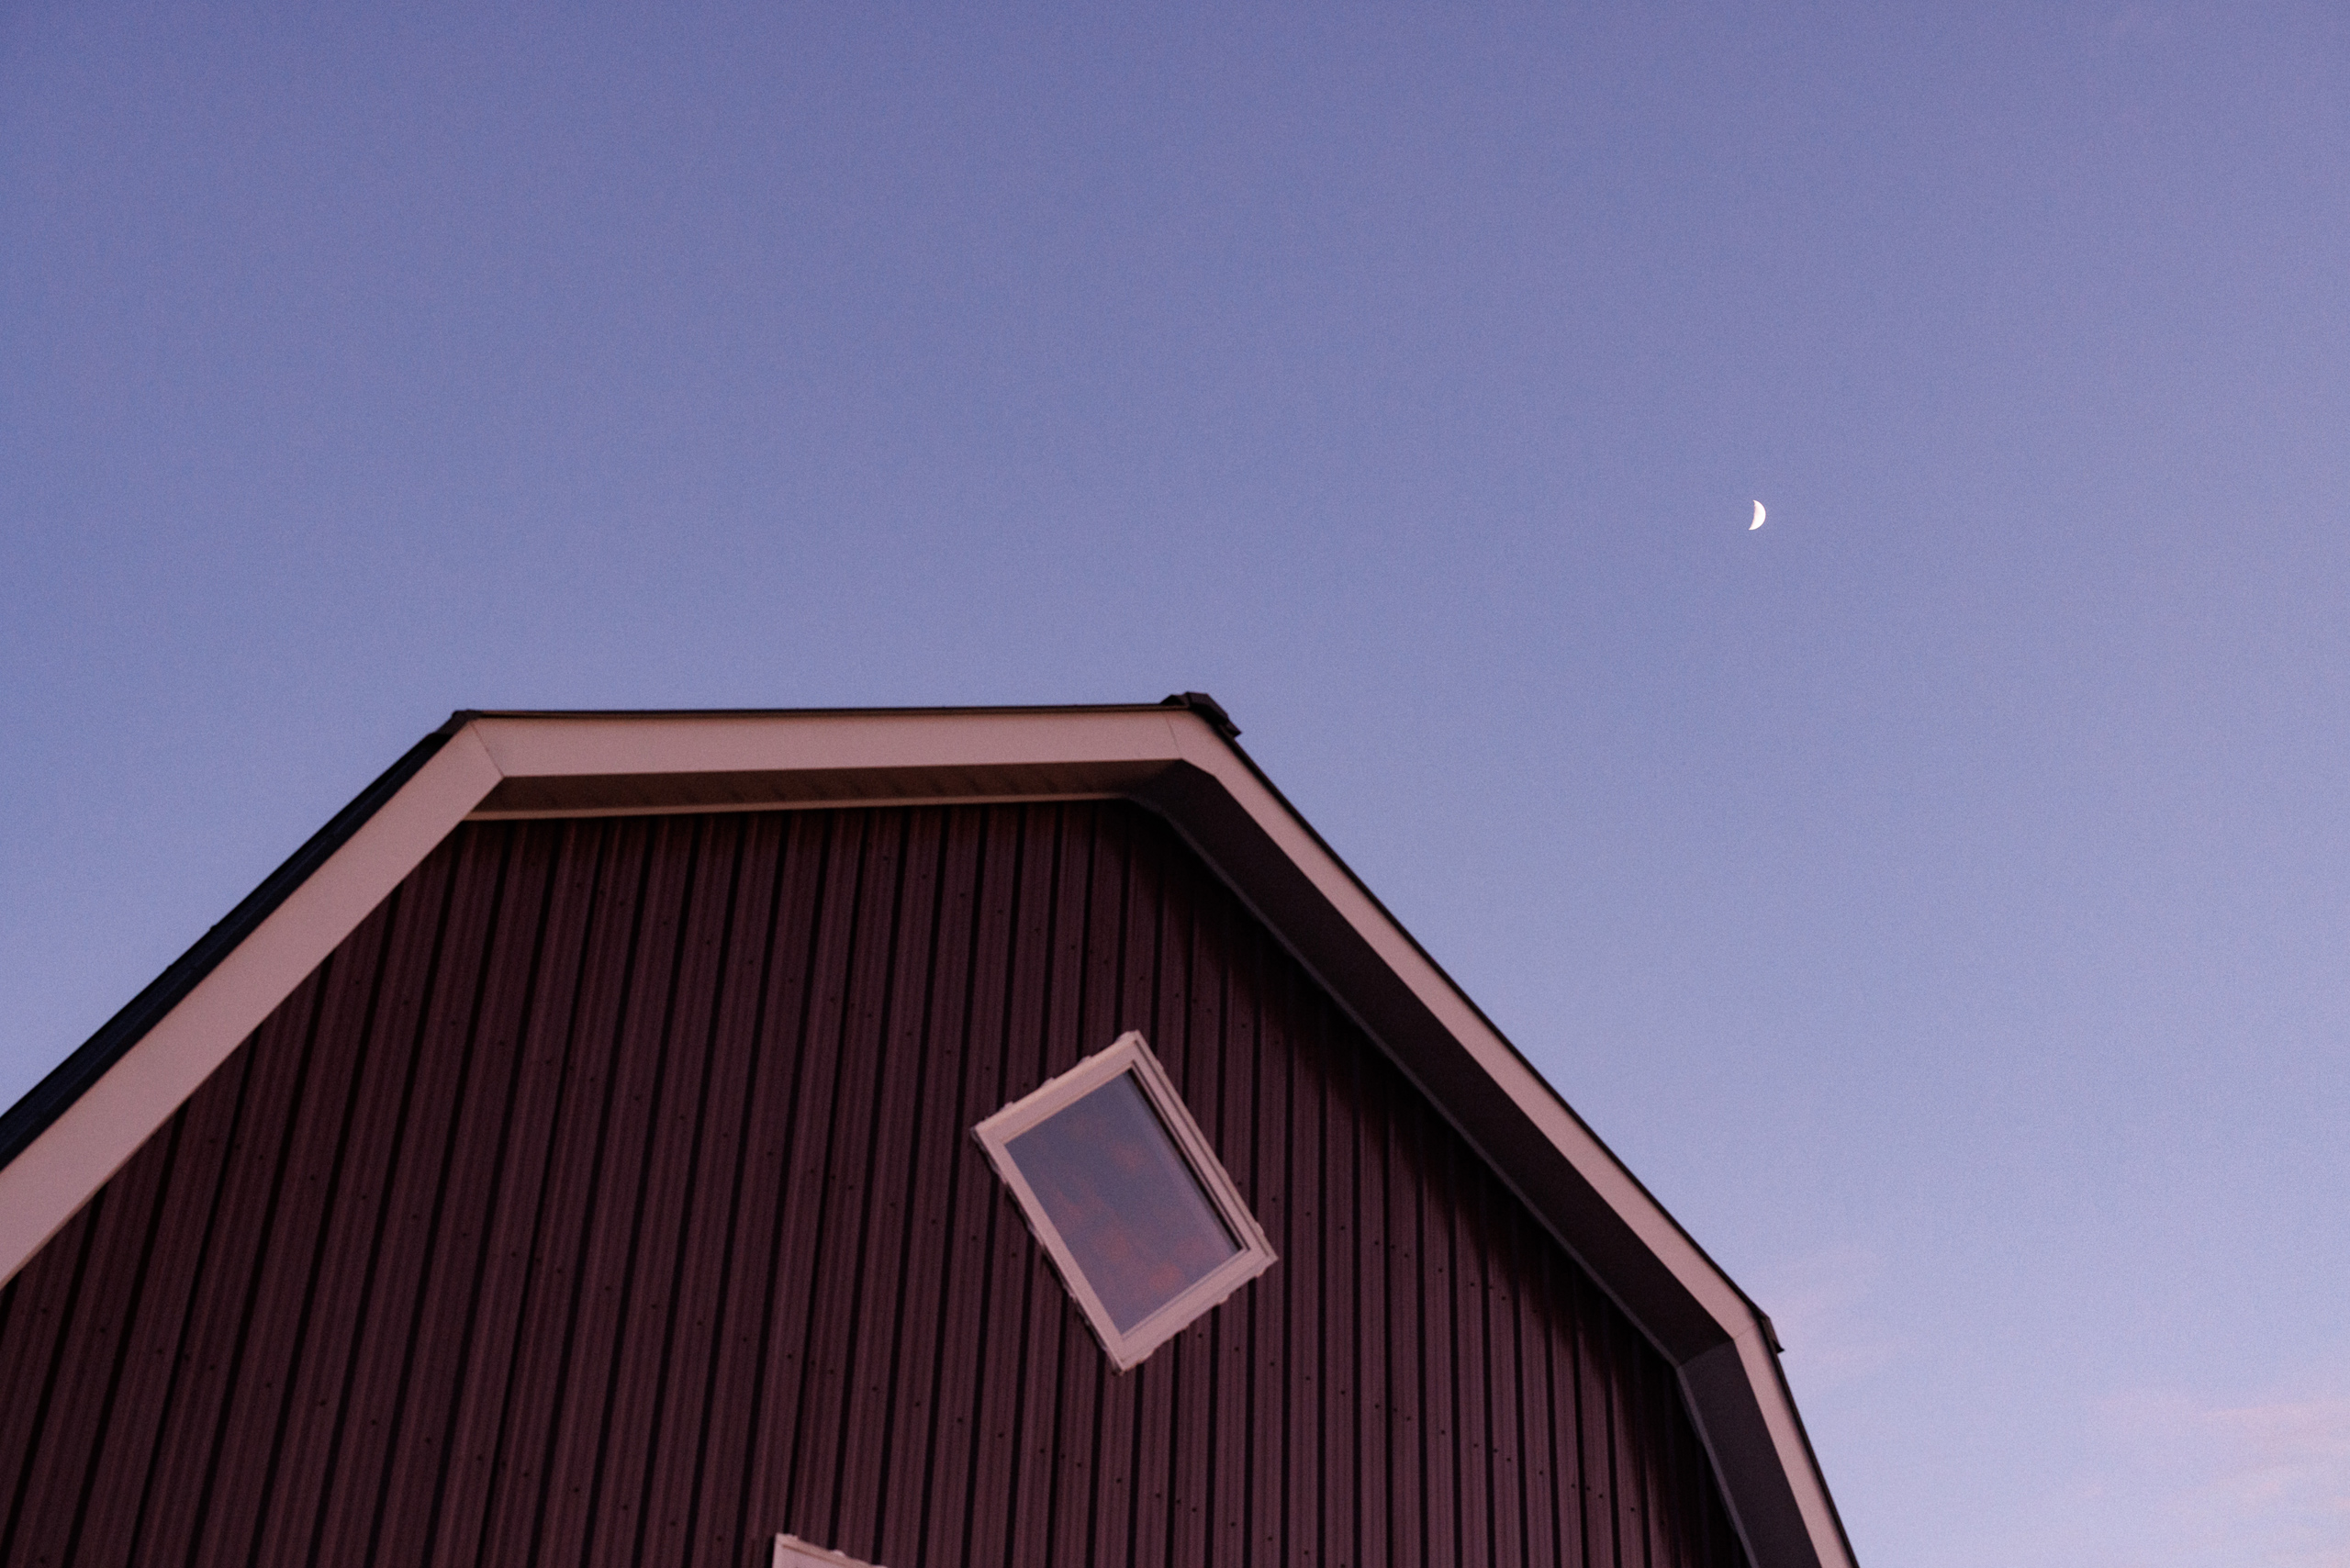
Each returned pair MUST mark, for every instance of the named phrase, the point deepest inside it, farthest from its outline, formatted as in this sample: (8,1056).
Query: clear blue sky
(1941,897)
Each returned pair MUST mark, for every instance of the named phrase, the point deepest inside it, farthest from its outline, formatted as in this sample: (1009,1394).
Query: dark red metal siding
(609,1196)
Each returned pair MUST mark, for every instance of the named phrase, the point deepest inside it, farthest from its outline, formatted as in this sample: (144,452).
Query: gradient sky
(1940,897)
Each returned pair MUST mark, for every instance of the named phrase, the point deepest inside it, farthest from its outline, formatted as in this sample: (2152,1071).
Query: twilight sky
(1941,898)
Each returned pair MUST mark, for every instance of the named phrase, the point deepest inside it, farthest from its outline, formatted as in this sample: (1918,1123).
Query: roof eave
(61,1143)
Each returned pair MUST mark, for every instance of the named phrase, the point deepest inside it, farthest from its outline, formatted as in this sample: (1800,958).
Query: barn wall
(609,1196)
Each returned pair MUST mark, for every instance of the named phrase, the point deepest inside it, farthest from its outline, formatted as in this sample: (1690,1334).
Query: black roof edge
(26,1120)
(30,1117)
(1184,700)
(47,1100)
(464,716)
(1787,1393)
(1207,707)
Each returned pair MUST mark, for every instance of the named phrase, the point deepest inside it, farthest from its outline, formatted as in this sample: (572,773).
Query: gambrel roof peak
(1181,759)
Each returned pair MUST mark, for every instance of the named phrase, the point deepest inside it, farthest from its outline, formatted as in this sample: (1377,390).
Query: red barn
(916,1139)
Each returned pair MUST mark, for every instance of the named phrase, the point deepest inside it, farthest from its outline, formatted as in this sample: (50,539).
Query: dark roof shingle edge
(26,1120)
(30,1117)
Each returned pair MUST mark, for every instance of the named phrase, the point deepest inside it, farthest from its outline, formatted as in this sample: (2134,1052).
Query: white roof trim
(91,1139)
(515,765)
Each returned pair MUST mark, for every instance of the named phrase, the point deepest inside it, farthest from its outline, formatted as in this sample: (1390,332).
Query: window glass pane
(1123,1199)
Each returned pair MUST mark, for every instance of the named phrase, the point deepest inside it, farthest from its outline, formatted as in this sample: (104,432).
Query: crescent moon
(1758,518)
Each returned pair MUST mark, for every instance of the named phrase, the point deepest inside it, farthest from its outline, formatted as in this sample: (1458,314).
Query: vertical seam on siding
(361,1051)
(365,1310)
(1052,1407)
(56,1366)
(954,1187)
(1254,1329)
(908,1220)
(1284,1053)
(130,1320)
(693,1158)
(525,1016)
(932,1353)
(658,1102)
(1022,819)
(594,1196)
(742,1161)
(259,1267)
(1222,1326)
(826,834)
(1422,1172)
(605,851)
(1513,1274)
(1541,1269)
(1328,1389)
(1131,851)
(1089,815)
(849,952)
(843,1028)
(1024,1391)
(405,1390)
(170,1400)
(877,1071)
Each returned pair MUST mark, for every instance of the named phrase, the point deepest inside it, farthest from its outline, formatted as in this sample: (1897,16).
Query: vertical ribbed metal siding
(609,1196)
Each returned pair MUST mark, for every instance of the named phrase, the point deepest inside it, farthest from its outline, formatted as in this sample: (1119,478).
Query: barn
(914,1138)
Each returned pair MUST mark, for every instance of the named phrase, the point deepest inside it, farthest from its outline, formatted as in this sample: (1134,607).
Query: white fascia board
(1532,1096)
(1541,1105)
(590,747)
(1795,1457)
(91,1139)
(71,1157)
(54,1175)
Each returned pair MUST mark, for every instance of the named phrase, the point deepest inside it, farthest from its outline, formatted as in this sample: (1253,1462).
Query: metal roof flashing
(1178,758)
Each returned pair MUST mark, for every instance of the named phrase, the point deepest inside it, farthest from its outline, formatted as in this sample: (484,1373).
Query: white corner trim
(74,1155)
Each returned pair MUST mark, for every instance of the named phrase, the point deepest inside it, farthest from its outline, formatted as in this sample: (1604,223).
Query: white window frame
(1130,1053)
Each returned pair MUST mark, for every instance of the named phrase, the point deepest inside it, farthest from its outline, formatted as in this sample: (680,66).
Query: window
(1128,1200)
